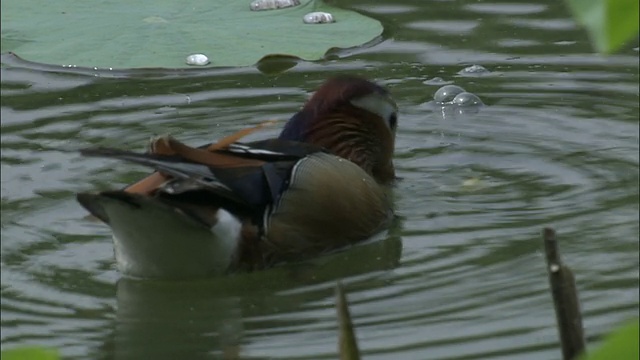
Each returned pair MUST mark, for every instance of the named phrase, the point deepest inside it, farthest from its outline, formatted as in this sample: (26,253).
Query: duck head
(352,118)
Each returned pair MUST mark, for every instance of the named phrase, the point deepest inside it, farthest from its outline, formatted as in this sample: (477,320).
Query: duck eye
(393,121)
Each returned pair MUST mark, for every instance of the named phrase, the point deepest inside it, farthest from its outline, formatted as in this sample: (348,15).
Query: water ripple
(460,275)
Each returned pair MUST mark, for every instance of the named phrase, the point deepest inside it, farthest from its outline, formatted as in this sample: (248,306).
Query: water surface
(460,275)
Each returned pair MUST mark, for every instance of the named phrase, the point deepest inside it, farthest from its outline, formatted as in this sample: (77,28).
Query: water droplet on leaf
(197,60)
(260,5)
(318,17)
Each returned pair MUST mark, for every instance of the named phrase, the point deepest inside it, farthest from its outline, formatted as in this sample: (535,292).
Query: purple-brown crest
(352,118)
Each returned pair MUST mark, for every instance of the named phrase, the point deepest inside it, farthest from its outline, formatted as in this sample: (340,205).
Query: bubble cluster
(447,93)
(453,99)
(453,95)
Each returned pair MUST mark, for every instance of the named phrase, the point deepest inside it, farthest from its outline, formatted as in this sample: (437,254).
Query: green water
(459,276)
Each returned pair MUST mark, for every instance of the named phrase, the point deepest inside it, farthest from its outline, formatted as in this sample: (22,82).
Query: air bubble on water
(467,99)
(474,70)
(437,81)
(447,93)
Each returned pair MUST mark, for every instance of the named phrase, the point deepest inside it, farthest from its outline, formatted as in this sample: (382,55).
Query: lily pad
(162,33)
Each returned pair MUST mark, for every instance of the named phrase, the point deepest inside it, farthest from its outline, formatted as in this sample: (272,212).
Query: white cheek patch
(376,104)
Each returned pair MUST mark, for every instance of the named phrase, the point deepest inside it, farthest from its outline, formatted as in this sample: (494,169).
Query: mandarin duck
(321,185)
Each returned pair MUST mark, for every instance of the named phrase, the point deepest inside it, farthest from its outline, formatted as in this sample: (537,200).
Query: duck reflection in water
(228,317)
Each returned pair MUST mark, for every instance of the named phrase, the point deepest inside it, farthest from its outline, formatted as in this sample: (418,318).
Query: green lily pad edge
(161,34)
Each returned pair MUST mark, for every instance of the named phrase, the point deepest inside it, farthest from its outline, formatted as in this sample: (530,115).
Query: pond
(460,275)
